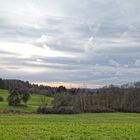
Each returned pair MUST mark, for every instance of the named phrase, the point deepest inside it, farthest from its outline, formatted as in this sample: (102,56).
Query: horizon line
(68,84)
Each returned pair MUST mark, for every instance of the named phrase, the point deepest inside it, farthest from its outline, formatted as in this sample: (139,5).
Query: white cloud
(28,50)
(45,40)
(114,63)
(137,62)
(93,45)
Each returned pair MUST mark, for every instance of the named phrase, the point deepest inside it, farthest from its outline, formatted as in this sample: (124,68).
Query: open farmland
(96,126)
(102,126)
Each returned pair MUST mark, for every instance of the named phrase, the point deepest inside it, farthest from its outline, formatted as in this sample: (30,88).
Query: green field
(32,104)
(102,126)
(96,126)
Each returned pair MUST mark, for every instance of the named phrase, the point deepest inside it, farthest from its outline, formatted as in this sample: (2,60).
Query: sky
(89,42)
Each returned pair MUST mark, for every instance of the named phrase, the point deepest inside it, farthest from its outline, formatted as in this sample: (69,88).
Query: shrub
(45,110)
(51,110)
(66,110)
(98,109)
(1,99)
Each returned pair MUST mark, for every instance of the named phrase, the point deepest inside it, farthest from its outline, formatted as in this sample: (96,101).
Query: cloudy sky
(76,41)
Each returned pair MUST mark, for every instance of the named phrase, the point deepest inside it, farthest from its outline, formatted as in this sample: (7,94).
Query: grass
(102,126)
(97,126)
(32,104)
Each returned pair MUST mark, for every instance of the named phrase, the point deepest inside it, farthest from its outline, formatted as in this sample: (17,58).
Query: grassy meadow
(96,126)
(101,126)
(32,104)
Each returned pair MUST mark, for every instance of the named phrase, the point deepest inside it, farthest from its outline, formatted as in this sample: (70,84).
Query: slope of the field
(32,104)
(102,126)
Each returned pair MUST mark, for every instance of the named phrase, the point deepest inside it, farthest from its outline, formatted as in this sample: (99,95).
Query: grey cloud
(103,34)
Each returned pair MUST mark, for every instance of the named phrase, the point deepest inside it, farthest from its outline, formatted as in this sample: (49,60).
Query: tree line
(124,98)
(32,88)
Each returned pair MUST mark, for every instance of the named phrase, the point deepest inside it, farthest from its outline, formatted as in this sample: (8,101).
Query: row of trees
(108,99)
(125,98)
(32,88)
